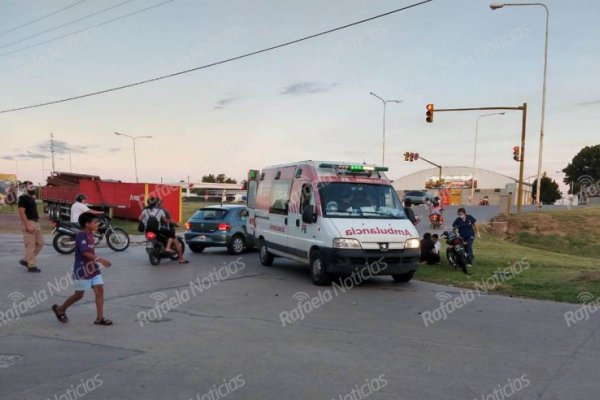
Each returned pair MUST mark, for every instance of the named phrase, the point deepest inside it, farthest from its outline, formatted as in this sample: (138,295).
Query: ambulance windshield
(357,200)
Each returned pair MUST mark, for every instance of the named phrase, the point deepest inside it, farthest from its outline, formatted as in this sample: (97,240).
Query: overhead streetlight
(384,106)
(495,6)
(475,150)
(134,138)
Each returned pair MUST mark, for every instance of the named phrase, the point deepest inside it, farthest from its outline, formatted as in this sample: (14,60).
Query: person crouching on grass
(86,271)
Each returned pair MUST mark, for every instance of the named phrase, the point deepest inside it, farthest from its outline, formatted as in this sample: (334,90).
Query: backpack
(152,224)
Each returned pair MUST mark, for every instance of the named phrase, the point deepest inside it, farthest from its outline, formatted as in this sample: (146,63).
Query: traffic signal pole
(429,118)
(435,165)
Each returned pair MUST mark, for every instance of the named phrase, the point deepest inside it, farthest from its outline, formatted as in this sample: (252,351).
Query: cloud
(60,147)
(301,88)
(225,102)
(589,103)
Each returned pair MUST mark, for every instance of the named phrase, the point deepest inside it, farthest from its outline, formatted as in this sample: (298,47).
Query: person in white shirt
(79,207)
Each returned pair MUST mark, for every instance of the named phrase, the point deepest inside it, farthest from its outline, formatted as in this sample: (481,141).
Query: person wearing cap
(30,223)
(79,207)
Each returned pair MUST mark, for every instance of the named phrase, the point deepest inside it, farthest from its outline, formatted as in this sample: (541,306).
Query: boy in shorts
(86,271)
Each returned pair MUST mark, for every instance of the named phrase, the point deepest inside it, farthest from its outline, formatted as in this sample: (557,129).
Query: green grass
(561,248)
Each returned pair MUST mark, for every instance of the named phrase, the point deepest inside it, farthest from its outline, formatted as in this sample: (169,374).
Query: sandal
(61,317)
(103,321)
(184,261)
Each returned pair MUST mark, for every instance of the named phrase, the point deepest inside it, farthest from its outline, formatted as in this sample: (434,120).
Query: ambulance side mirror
(308,215)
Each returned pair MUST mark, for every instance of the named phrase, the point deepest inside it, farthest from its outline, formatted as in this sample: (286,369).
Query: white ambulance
(340,218)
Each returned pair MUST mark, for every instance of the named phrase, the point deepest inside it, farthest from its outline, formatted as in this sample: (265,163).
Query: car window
(210,213)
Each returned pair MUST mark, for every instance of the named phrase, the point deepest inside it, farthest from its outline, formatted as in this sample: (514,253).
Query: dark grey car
(219,226)
(417,197)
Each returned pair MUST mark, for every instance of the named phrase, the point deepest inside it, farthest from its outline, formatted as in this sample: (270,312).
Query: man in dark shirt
(32,234)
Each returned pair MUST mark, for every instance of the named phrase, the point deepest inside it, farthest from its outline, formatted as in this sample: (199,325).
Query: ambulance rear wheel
(266,258)
(318,269)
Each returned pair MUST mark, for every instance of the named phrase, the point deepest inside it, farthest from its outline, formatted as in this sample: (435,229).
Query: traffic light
(408,156)
(517,153)
(429,113)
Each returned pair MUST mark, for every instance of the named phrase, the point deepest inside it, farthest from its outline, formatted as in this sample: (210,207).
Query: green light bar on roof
(354,167)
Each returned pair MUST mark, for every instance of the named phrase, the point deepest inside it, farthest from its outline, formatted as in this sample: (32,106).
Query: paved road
(227,337)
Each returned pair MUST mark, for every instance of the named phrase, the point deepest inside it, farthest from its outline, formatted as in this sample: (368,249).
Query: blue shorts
(86,284)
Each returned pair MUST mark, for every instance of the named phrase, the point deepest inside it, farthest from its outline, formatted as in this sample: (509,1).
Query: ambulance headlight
(412,244)
(343,243)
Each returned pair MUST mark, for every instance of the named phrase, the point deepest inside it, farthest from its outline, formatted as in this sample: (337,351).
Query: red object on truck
(124,200)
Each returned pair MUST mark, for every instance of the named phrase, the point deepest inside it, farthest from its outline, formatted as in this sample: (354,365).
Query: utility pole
(52,152)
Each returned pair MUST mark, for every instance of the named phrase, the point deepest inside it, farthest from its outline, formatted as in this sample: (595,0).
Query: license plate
(458,248)
(149,245)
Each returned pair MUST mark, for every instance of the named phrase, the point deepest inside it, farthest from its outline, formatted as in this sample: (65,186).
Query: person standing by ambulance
(30,225)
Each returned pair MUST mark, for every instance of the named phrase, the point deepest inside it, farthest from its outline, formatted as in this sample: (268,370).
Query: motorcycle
(156,244)
(455,252)
(484,202)
(65,232)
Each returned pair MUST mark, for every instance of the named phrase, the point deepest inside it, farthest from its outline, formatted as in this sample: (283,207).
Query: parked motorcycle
(65,232)
(455,252)
(156,244)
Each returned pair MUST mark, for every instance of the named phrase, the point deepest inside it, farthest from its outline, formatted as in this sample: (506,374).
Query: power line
(42,17)
(84,29)
(66,24)
(187,71)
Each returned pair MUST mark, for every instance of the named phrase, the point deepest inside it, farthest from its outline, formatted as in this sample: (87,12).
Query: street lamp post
(384,106)
(475,151)
(495,6)
(134,138)
(70,158)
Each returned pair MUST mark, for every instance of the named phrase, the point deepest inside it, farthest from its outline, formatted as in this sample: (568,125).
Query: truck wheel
(196,248)
(318,269)
(236,245)
(64,244)
(266,258)
(118,239)
(403,278)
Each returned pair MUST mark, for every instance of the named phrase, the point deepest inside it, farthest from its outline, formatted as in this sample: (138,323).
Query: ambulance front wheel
(318,269)
(403,278)
(266,258)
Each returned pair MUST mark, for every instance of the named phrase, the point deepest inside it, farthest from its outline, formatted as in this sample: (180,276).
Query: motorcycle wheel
(64,244)
(461,261)
(451,258)
(117,239)
(154,257)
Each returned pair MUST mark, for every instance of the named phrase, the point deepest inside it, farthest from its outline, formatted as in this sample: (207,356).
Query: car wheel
(266,258)
(403,278)
(318,269)
(236,245)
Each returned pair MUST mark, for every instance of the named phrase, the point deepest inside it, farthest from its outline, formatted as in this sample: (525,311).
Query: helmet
(80,197)
(152,202)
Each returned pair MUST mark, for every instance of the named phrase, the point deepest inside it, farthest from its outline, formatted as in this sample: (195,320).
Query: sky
(306,101)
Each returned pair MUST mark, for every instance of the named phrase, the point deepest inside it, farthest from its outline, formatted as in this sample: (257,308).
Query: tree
(584,170)
(549,190)
(210,178)
(220,178)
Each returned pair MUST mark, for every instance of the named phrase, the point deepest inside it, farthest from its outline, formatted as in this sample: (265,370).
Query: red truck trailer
(121,199)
